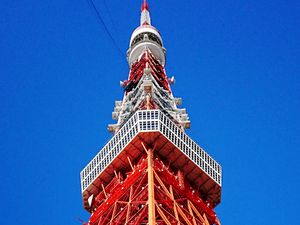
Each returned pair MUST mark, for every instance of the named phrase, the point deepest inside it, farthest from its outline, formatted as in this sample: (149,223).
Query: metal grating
(149,121)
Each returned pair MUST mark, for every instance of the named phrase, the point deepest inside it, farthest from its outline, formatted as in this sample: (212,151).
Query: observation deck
(171,143)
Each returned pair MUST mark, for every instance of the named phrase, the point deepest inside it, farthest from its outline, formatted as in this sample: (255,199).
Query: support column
(151,200)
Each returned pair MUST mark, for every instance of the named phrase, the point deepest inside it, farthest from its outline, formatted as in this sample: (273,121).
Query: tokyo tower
(150,171)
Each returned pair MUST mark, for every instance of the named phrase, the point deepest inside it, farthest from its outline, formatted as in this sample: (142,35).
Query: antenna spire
(145,6)
(145,15)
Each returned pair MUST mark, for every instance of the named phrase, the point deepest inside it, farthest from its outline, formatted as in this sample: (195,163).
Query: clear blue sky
(236,65)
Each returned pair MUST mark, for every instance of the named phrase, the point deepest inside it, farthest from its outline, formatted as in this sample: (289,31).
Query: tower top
(145,15)
(145,6)
(145,37)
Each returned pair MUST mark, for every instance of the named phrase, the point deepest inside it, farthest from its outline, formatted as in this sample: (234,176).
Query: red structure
(151,171)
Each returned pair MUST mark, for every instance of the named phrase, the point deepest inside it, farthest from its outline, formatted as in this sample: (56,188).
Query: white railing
(149,121)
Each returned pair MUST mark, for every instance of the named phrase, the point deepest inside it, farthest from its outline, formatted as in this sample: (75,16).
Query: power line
(100,19)
(109,15)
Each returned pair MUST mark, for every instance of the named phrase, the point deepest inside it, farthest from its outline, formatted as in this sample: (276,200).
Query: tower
(150,171)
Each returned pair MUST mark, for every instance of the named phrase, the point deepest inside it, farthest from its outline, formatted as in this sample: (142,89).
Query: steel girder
(150,193)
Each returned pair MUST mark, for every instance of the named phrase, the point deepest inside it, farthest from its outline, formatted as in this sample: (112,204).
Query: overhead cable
(100,19)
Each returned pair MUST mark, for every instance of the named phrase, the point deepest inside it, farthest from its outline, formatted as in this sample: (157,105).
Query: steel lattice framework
(151,171)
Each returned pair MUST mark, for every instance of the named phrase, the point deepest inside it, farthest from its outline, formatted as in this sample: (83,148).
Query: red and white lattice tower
(151,171)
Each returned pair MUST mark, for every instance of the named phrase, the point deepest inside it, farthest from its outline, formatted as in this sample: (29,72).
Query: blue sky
(236,65)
